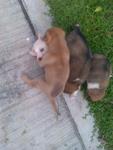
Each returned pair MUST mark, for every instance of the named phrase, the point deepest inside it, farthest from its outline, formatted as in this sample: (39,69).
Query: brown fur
(56,65)
(71,87)
(80,57)
(99,73)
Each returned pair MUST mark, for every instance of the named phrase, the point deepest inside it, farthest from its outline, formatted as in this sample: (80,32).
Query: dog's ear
(47,37)
(38,36)
(58,32)
(61,32)
(32,52)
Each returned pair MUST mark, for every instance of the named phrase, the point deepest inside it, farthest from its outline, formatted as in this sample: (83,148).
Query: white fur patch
(93,85)
(77,79)
(110,75)
(76,92)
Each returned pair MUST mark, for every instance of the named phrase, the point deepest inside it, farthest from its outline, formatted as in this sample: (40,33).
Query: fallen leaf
(98,9)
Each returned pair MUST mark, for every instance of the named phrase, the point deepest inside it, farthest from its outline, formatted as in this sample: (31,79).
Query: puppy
(80,57)
(55,61)
(98,77)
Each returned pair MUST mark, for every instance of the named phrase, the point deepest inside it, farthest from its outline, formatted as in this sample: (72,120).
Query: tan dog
(55,62)
(98,77)
(80,57)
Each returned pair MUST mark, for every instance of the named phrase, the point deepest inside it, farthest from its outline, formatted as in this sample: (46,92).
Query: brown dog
(55,62)
(80,57)
(98,77)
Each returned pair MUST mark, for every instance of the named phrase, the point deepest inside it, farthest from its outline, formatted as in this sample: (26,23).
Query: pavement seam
(24,10)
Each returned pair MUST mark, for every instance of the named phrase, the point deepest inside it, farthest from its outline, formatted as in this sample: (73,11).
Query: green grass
(98,28)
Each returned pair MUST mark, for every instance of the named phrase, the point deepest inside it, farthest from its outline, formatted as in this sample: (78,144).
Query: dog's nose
(40,58)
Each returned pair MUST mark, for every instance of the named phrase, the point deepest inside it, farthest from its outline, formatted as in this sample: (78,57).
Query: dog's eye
(42,49)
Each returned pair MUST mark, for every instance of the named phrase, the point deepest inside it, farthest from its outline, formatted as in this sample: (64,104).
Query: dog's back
(80,55)
(57,72)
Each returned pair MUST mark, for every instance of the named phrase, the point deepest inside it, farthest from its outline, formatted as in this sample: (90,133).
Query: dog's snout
(40,58)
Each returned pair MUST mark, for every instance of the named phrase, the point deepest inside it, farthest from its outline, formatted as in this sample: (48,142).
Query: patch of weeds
(96,21)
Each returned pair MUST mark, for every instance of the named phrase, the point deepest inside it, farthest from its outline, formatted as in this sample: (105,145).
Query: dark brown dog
(80,57)
(98,77)
(55,62)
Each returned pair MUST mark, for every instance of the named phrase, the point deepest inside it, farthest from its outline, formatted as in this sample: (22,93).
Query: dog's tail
(58,88)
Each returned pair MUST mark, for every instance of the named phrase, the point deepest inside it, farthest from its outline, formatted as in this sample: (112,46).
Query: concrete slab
(38,12)
(84,120)
(26,118)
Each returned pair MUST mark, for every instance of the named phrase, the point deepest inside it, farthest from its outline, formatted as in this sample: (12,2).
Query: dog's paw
(57,116)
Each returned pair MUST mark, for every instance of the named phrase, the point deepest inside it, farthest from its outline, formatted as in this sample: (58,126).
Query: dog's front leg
(46,88)
(41,63)
(54,106)
(46,60)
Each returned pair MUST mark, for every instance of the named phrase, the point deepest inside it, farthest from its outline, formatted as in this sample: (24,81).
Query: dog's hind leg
(71,87)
